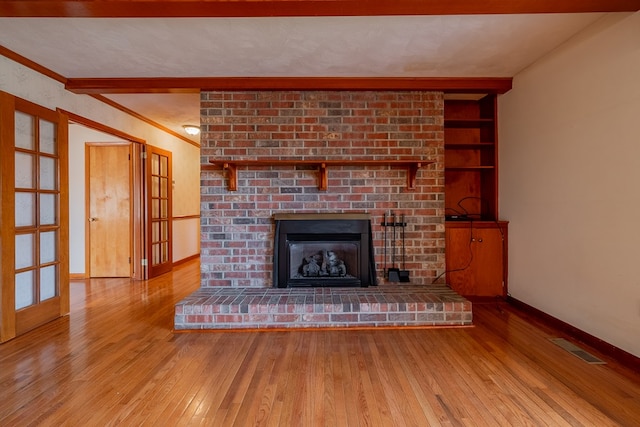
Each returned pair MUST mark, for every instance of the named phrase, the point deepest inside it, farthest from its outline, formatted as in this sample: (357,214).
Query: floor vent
(577,351)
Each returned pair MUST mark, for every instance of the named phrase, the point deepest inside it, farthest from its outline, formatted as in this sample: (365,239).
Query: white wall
(37,88)
(570,181)
(186,238)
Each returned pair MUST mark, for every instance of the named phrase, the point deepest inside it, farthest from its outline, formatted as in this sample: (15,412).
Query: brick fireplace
(238,229)
(267,146)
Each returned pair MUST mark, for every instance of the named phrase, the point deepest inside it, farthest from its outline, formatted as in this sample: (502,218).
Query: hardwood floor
(116,361)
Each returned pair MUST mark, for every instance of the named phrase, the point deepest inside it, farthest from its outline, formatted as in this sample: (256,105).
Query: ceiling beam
(266,8)
(190,85)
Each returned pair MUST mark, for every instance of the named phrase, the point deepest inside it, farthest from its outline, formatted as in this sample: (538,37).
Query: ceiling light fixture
(191,129)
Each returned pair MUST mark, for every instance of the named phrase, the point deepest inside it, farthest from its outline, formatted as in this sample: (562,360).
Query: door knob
(93,219)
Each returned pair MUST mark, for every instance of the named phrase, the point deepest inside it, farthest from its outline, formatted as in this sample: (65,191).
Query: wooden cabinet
(471,157)
(476,242)
(476,257)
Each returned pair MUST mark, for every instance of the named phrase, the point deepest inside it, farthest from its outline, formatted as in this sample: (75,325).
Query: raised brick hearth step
(379,306)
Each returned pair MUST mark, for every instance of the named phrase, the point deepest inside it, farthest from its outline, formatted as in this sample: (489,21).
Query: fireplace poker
(394,273)
(384,225)
(404,273)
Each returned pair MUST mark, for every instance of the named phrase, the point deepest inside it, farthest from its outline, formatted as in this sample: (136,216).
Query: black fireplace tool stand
(393,273)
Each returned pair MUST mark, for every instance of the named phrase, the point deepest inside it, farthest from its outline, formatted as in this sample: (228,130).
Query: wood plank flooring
(116,361)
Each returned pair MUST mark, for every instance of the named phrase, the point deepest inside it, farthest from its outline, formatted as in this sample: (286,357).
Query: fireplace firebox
(321,250)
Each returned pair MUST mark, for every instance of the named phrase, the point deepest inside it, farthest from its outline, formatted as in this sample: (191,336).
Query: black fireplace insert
(319,250)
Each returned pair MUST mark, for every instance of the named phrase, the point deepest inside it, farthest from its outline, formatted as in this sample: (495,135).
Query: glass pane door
(160,216)
(37,193)
(36,289)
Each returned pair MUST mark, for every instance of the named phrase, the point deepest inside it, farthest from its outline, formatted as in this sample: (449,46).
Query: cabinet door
(488,262)
(475,261)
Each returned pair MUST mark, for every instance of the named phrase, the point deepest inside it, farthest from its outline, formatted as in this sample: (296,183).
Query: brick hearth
(265,308)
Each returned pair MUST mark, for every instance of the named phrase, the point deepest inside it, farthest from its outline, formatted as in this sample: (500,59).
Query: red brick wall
(237,227)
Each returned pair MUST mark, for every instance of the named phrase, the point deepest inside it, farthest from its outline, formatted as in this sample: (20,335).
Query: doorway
(128,205)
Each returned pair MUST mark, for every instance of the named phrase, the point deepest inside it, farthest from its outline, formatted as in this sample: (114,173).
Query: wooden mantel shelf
(231,166)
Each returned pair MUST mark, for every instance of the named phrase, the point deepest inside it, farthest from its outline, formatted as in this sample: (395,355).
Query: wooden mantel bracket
(412,167)
(323,183)
(412,171)
(232,168)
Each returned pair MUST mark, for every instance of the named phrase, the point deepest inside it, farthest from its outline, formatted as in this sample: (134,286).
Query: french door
(159,212)
(34,287)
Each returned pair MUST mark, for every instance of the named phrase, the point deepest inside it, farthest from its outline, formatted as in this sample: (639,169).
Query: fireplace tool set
(393,273)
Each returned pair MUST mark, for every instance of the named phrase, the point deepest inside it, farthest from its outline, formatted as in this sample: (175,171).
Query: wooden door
(34,285)
(109,226)
(159,210)
(487,262)
(460,252)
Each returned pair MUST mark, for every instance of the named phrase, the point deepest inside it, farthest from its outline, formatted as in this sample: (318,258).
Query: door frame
(138,210)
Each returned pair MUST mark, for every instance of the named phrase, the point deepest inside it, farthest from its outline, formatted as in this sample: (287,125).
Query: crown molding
(61,79)
(16,57)
(269,8)
(172,85)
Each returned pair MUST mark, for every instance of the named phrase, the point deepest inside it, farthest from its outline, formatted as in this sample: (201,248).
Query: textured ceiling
(371,46)
(432,46)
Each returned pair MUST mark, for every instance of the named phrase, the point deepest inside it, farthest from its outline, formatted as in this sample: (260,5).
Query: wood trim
(604,347)
(186,260)
(77,276)
(7,220)
(231,166)
(268,8)
(473,224)
(103,143)
(32,317)
(139,236)
(132,217)
(37,110)
(491,103)
(192,84)
(87,212)
(64,238)
(181,217)
(32,65)
(143,118)
(101,127)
